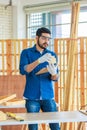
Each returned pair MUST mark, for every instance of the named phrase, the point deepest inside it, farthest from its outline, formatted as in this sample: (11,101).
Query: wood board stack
(6,98)
(9,100)
(3,116)
(14,101)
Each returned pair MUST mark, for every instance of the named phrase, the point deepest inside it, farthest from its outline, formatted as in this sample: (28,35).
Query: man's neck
(39,49)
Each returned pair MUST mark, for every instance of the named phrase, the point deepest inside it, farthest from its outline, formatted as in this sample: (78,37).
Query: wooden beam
(69,86)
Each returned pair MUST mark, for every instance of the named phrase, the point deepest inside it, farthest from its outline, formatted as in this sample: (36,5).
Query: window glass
(82,23)
(36,20)
(58,22)
(61,22)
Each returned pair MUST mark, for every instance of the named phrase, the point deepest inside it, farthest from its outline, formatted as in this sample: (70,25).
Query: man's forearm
(31,66)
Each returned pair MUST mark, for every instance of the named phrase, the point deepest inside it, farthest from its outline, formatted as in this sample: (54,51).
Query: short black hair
(42,30)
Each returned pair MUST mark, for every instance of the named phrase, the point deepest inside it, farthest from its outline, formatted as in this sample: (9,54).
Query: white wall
(6,31)
(19,19)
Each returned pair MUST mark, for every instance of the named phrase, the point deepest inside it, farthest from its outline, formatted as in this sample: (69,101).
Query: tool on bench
(14,116)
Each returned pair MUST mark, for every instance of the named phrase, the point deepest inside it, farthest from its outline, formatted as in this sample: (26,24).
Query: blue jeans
(46,106)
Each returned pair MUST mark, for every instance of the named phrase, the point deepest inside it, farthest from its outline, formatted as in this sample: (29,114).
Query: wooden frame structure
(12,82)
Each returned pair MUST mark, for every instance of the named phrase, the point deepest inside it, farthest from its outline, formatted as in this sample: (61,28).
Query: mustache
(45,43)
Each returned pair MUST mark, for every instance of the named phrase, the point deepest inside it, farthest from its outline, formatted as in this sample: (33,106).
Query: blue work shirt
(37,86)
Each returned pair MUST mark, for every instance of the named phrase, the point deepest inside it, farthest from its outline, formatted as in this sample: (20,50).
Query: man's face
(44,40)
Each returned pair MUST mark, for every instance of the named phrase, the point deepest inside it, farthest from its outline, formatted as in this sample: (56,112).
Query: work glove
(45,58)
(52,69)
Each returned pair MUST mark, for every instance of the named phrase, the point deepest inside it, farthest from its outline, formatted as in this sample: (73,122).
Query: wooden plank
(24,43)
(3,57)
(44,70)
(56,89)
(69,86)
(6,98)
(82,72)
(8,57)
(15,56)
(2,116)
(14,102)
(86,73)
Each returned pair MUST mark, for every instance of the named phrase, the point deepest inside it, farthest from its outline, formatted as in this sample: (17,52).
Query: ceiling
(14,2)
(5,2)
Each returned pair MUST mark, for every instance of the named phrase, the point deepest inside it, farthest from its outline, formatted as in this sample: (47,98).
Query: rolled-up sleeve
(23,62)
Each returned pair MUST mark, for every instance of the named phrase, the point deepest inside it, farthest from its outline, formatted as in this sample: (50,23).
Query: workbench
(47,117)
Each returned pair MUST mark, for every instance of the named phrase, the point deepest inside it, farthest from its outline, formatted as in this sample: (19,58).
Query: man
(39,88)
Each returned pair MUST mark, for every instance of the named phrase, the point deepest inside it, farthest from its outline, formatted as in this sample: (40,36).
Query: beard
(43,45)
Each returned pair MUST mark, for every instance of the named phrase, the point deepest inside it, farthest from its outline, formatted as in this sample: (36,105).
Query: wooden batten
(82,73)
(56,89)
(71,61)
(8,56)
(69,86)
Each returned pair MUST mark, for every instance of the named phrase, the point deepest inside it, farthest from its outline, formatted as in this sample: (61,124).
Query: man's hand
(46,57)
(52,69)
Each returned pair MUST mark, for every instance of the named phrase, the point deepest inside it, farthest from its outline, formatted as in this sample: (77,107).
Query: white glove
(52,69)
(44,58)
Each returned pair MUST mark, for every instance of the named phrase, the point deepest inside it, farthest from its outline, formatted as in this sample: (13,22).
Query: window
(82,22)
(57,21)
(36,20)
(61,24)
